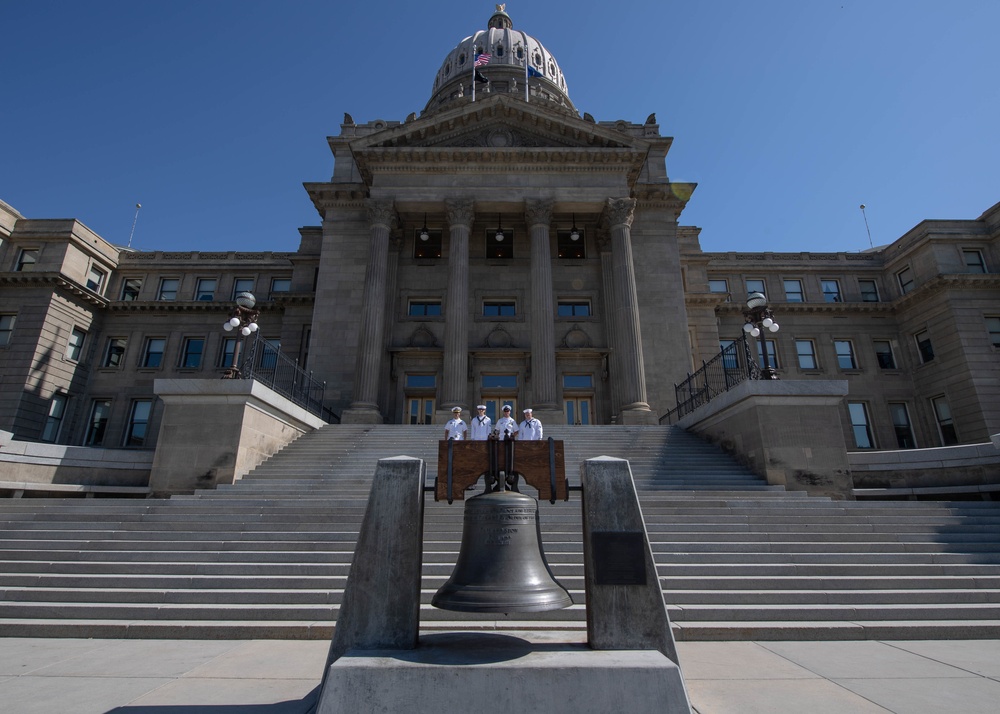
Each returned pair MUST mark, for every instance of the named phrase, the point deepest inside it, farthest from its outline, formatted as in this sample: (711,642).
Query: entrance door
(495,405)
(421,410)
(578,410)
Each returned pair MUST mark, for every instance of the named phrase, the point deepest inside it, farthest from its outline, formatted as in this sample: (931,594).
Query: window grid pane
(806,353)
(845,354)
(793,291)
(859,424)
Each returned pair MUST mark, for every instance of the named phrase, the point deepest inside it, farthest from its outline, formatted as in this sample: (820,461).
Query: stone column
(456,325)
(538,215)
(364,407)
(628,337)
(607,286)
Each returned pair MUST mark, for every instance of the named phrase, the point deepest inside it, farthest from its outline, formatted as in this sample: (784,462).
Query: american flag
(481,60)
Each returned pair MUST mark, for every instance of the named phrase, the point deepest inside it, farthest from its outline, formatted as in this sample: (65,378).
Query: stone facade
(502,250)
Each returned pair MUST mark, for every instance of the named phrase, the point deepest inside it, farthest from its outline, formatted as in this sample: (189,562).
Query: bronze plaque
(619,558)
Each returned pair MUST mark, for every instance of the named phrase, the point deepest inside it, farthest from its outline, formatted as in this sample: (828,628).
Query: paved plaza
(79,676)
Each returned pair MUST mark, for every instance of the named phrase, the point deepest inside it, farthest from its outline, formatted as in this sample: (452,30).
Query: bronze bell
(501,566)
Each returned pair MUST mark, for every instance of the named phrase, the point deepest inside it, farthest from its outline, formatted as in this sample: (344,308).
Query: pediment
(498,123)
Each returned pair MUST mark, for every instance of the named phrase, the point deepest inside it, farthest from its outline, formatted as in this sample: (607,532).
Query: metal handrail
(733,365)
(262,360)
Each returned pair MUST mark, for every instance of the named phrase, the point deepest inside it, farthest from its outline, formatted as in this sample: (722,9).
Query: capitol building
(501,247)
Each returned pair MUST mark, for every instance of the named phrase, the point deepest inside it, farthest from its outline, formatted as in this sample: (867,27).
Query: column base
(361,414)
(547,415)
(638,414)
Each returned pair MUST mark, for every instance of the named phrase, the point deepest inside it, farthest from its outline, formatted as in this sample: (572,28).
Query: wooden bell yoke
(461,463)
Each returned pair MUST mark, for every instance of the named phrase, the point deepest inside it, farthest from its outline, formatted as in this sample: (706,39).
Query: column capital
(538,212)
(620,211)
(381,213)
(460,212)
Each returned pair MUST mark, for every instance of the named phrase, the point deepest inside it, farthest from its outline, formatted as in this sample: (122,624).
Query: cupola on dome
(505,53)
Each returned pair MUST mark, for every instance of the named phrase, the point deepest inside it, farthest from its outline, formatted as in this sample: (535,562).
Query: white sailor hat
(481,406)
(456,409)
(506,407)
(527,411)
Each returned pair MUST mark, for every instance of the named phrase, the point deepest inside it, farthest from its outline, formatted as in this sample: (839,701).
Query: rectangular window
(860,425)
(74,346)
(114,352)
(869,290)
(719,286)
(992,328)
(574,308)
(845,354)
(755,285)
(905,279)
(883,354)
(227,350)
(946,427)
(280,285)
(427,243)
(806,351)
(206,289)
(924,346)
(500,243)
(138,422)
(168,289)
(131,288)
(493,308)
(269,355)
(831,290)
(974,261)
(6,328)
(578,381)
(730,359)
(26,259)
(95,279)
(570,244)
(772,354)
(242,285)
(420,381)
(424,308)
(53,422)
(499,381)
(901,423)
(793,291)
(152,355)
(97,425)
(191,356)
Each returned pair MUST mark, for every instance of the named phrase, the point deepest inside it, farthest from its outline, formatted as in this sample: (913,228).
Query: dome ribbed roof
(508,49)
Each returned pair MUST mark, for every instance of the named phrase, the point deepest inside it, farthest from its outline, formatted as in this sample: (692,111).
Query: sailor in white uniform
(506,425)
(456,428)
(530,429)
(481,425)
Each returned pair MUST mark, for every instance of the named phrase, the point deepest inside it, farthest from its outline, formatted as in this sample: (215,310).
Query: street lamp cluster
(758,317)
(243,316)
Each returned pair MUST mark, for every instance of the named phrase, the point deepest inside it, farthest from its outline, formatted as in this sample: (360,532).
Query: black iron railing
(262,360)
(734,364)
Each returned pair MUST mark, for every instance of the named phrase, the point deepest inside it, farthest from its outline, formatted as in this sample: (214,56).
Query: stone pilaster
(364,407)
(538,215)
(634,409)
(454,390)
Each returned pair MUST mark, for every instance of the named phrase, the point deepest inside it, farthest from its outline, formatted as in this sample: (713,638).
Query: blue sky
(787,114)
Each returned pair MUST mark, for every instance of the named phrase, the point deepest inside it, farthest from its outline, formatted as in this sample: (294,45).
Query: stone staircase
(268,557)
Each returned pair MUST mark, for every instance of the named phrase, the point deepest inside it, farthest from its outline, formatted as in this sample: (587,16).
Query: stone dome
(505,70)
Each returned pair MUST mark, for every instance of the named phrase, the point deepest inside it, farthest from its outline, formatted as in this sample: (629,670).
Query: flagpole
(474,55)
(527,94)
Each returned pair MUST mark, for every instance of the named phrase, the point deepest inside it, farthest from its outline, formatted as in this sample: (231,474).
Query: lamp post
(243,316)
(758,317)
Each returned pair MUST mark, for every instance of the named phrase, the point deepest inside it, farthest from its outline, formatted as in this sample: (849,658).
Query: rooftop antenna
(136,218)
(866,226)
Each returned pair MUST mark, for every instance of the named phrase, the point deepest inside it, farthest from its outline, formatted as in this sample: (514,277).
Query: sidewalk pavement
(79,676)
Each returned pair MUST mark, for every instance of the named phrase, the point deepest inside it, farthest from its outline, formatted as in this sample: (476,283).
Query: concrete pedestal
(487,673)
